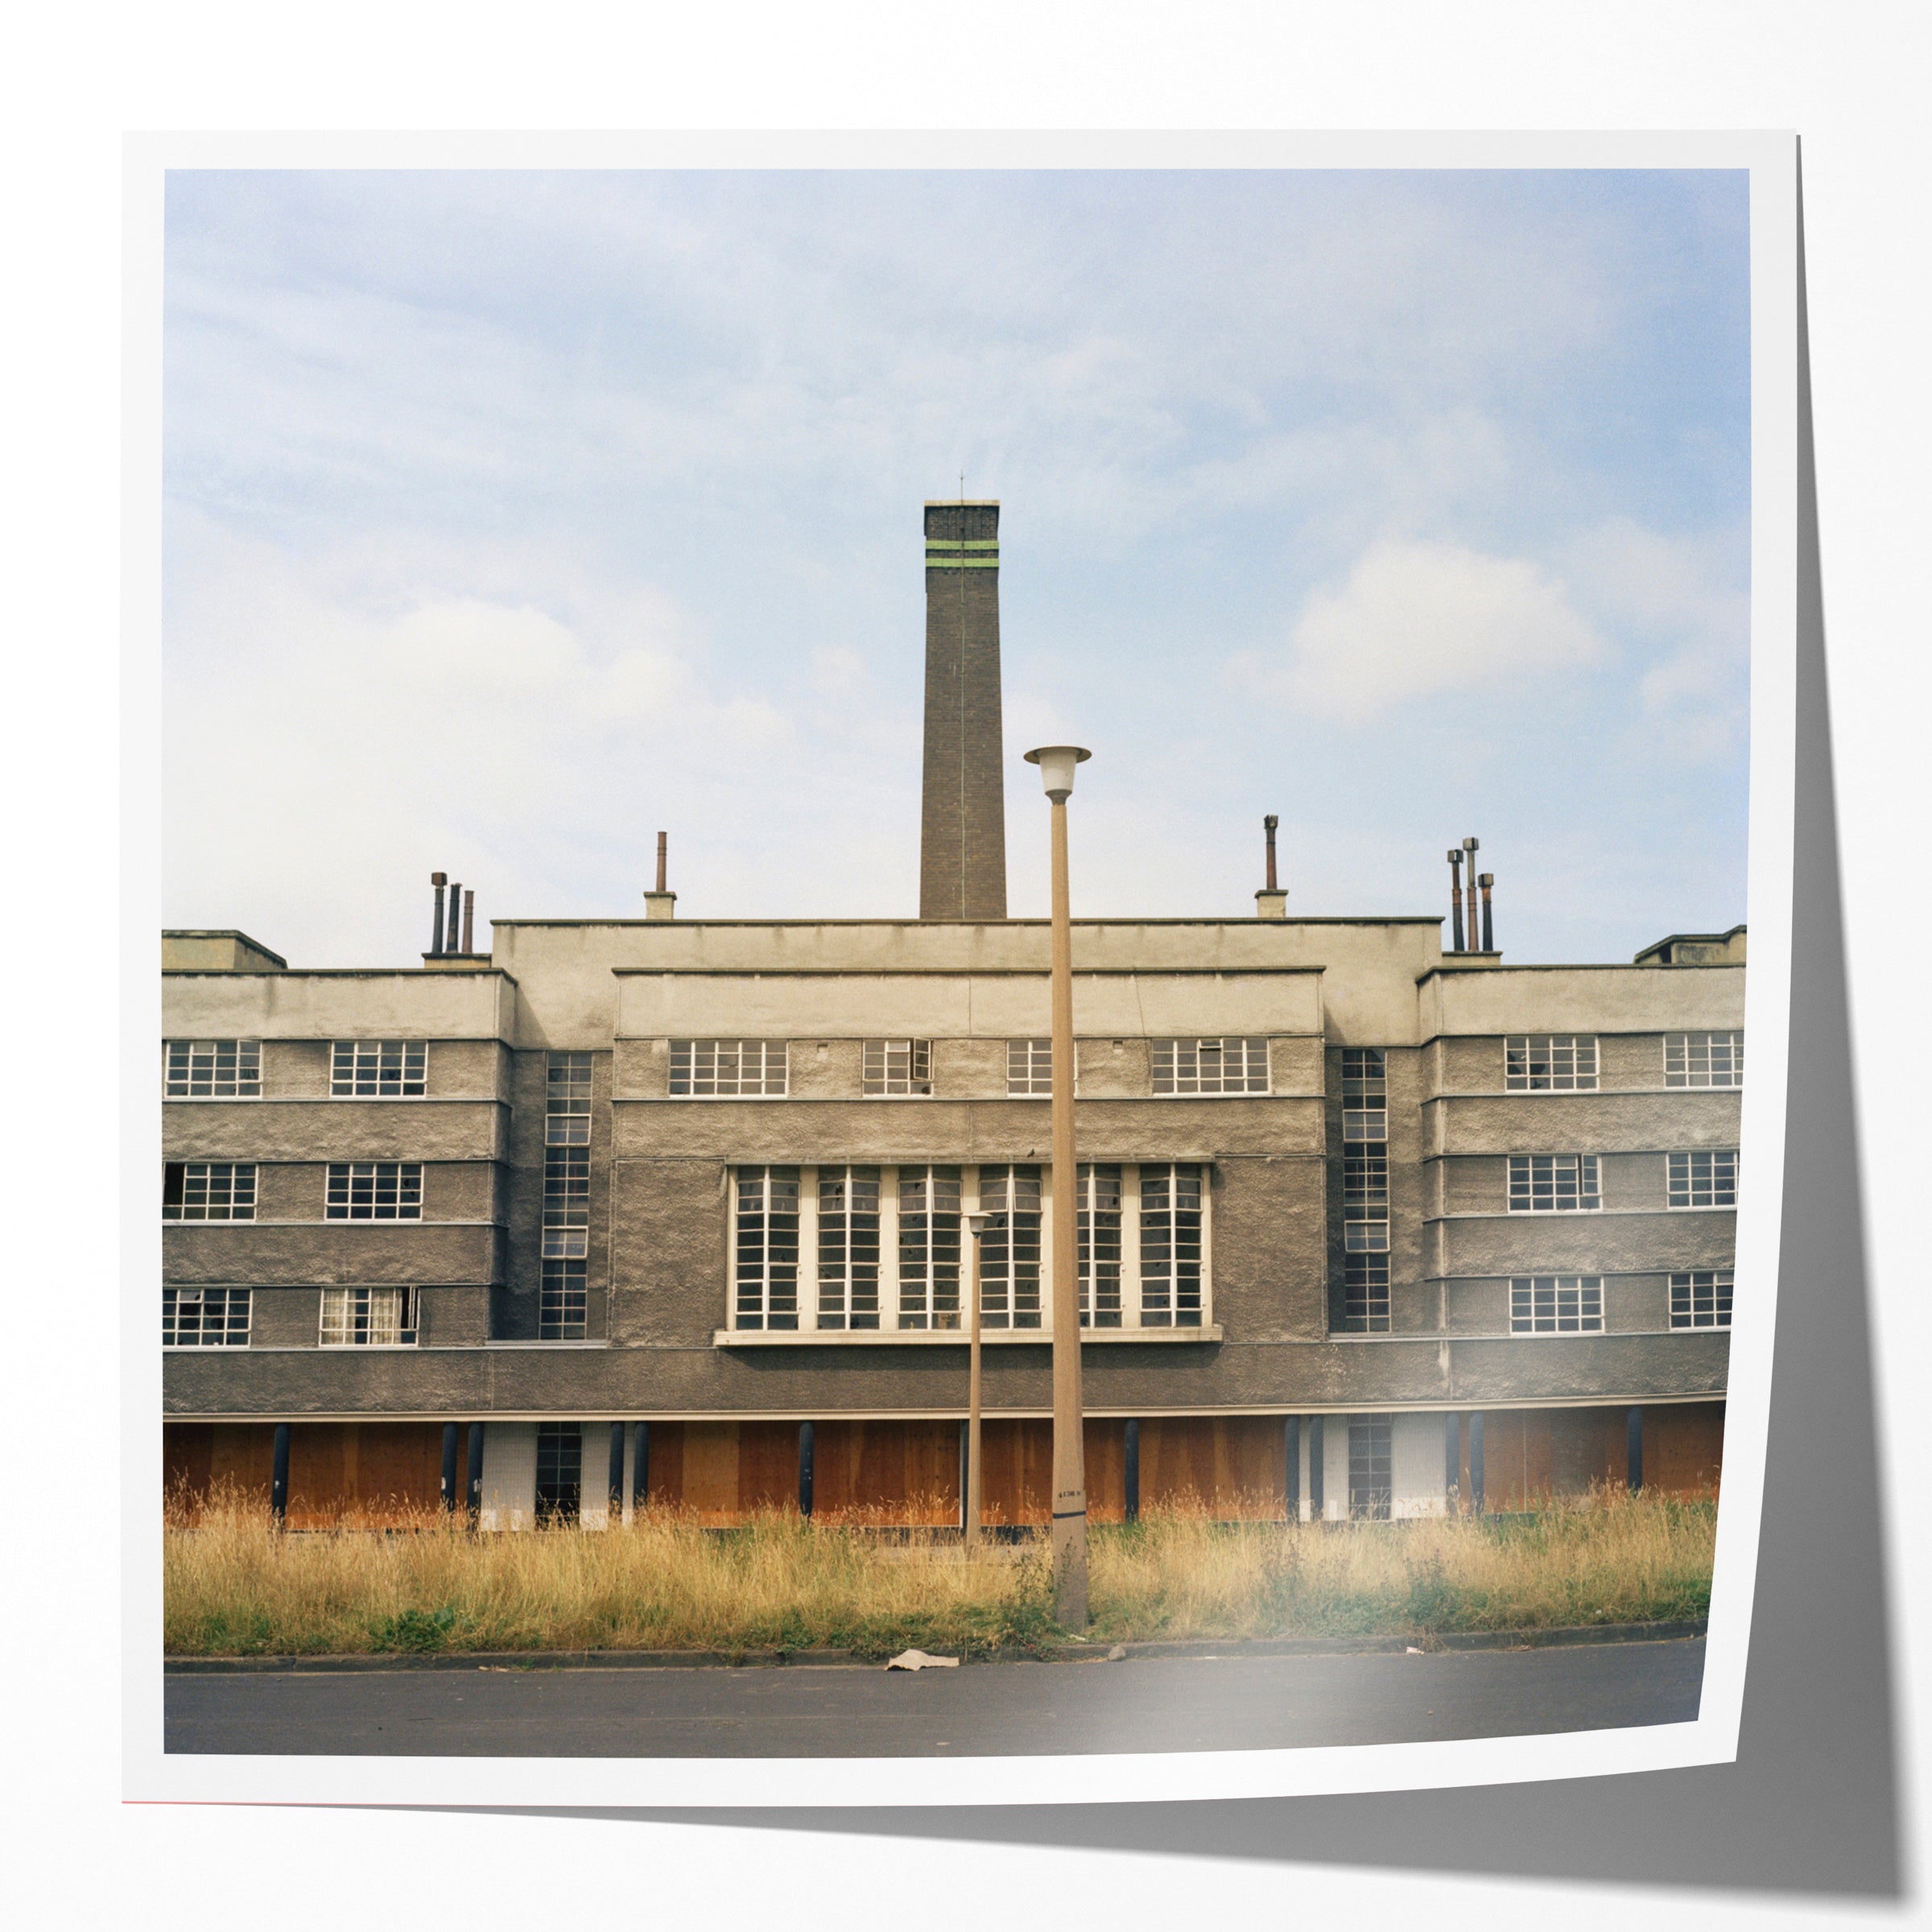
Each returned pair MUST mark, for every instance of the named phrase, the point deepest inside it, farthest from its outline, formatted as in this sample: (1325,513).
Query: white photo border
(150,1774)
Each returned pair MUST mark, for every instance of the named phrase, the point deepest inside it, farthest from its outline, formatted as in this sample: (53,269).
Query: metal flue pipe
(1487,880)
(469,921)
(1268,826)
(1456,899)
(439,880)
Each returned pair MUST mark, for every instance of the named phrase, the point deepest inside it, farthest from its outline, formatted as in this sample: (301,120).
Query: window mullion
(808,1257)
(1130,1245)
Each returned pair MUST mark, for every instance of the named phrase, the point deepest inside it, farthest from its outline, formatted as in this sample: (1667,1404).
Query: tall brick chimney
(963,811)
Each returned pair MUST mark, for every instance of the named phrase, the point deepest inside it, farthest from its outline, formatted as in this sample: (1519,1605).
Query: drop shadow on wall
(1812,1806)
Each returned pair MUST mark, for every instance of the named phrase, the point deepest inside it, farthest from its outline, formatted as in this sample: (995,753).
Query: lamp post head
(1056,763)
(975,1224)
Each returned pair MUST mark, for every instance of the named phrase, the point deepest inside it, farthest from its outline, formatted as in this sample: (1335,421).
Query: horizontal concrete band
(1034,1412)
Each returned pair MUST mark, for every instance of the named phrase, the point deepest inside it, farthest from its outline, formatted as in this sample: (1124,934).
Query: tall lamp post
(1056,763)
(975,1226)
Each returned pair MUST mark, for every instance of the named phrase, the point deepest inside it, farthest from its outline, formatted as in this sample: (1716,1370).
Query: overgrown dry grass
(233,1586)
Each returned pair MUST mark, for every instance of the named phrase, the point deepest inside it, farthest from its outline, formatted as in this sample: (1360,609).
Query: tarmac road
(1232,1701)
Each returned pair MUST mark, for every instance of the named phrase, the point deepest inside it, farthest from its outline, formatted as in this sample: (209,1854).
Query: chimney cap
(438,878)
(1455,855)
(1471,844)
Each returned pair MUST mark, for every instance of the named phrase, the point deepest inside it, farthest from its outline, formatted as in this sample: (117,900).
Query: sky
(512,517)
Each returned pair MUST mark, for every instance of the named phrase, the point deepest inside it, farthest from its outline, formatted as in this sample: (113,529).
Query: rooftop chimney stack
(1469,851)
(1455,898)
(663,903)
(456,908)
(963,804)
(439,880)
(1271,902)
(1487,880)
(469,922)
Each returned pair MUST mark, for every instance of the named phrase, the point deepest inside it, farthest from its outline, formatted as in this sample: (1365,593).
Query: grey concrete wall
(363,1254)
(267,1131)
(336,1005)
(1590,1244)
(1581,999)
(1584,1123)
(804,1131)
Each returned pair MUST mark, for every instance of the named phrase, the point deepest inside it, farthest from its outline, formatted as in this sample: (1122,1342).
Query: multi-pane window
(368,1318)
(564,1290)
(1553,1183)
(1170,1245)
(375,1191)
(207,1191)
(1010,1249)
(1366,1196)
(212,1070)
(848,1247)
(766,1267)
(1703,1059)
(727,1069)
(1099,1242)
(1700,1297)
(563,1301)
(566,1100)
(1364,1094)
(1029,1067)
(204,1318)
(897,1067)
(1228,1065)
(1365,1294)
(1549,1062)
(929,1247)
(376,1069)
(1371,1469)
(1704,1180)
(566,1202)
(559,1473)
(838,1249)
(1556,1304)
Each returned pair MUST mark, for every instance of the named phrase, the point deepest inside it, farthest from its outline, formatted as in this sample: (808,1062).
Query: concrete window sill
(945,1338)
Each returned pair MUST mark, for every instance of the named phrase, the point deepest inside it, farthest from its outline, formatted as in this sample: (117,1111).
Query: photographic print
(955,962)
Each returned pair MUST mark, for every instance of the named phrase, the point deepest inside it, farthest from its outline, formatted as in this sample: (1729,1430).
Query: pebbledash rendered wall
(725,1407)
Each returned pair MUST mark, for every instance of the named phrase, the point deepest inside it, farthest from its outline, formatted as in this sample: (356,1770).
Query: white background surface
(1850,81)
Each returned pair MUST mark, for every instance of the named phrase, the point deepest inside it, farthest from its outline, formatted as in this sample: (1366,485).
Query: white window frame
(1029,1069)
(1368,1435)
(891,1070)
(373,1171)
(845,1297)
(783,1307)
(1222,1063)
(1713,1287)
(191,1083)
(562,1298)
(1685,1190)
(1367,1307)
(906,1260)
(723,1069)
(378,1070)
(346,1310)
(1569,1063)
(235,1206)
(1537,1183)
(175,1297)
(566,1100)
(1705,1060)
(1364,1094)
(1575,1304)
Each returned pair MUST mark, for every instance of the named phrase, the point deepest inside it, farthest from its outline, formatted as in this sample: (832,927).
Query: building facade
(669,1210)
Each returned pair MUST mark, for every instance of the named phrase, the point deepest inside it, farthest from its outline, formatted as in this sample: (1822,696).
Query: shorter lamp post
(975,1226)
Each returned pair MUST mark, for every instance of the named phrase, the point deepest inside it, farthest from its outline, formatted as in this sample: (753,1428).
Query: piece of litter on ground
(1413,1650)
(917,1660)
(1117,1654)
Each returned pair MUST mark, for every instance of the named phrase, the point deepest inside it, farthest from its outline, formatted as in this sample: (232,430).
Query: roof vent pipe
(455,908)
(1271,902)
(1455,898)
(469,922)
(1489,930)
(1469,851)
(439,880)
(663,903)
